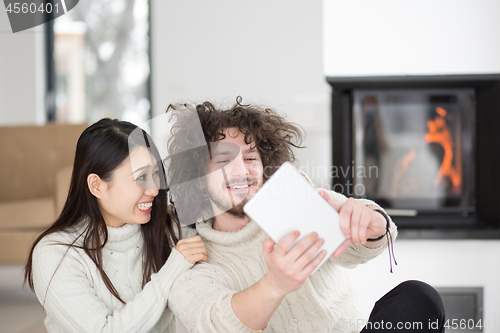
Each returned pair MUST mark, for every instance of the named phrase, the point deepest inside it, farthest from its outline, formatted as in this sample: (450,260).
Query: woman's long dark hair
(102,148)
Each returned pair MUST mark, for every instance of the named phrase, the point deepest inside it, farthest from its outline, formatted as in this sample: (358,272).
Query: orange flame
(407,159)
(440,133)
(404,165)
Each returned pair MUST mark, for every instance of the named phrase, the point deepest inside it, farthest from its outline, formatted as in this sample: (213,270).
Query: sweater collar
(228,238)
(120,239)
(123,233)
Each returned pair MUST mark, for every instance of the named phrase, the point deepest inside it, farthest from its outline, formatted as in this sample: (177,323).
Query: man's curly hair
(269,132)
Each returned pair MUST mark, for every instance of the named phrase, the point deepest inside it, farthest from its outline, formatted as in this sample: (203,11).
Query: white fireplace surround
(425,37)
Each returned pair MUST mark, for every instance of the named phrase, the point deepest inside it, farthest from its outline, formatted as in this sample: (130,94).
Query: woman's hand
(192,249)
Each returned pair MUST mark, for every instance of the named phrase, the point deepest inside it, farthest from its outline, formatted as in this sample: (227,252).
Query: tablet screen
(288,202)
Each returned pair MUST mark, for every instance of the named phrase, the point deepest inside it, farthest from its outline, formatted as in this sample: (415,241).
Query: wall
(269,52)
(22,78)
(390,37)
(445,263)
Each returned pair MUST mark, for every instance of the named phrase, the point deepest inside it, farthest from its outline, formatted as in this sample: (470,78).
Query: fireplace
(425,148)
(417,146)
(464,308)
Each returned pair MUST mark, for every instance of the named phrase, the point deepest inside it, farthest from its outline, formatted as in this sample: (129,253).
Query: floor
(20,311)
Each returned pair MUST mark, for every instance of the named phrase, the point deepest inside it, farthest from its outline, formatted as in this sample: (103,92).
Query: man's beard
(235,211)
(224,202)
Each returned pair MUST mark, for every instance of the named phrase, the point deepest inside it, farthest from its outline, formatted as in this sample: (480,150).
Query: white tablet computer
(288,202)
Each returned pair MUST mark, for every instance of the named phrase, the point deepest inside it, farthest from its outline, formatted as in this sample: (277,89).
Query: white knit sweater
(201,297)
(76,299)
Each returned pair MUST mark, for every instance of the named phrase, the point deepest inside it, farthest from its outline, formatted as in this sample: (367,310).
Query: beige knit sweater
(75,298)
(201,297)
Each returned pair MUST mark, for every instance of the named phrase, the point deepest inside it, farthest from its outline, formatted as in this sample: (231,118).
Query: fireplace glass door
(414,149)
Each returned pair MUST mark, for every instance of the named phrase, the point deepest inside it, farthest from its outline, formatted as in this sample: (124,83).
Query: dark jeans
(411,307)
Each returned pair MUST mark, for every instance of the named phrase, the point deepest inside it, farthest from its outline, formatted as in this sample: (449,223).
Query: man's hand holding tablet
(287,203)
(358,223)
(287,270)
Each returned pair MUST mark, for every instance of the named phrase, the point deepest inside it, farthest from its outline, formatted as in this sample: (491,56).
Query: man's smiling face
(237,173)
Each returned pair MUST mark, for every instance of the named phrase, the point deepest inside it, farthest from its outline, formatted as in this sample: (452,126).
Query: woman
(108,262)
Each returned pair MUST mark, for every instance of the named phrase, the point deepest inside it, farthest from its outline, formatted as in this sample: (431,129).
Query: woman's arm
(70,295)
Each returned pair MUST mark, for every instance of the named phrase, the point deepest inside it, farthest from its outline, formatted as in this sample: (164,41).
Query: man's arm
(201,299)
(287,271)
(371,224)
(358,251)
(204,303)
(359,221)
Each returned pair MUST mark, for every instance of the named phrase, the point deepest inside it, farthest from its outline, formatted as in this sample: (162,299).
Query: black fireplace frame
(485,222)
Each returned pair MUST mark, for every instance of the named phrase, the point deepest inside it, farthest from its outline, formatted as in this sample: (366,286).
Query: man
(250,283)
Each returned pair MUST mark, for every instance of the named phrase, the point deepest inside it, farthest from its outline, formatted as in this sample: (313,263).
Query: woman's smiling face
(128,196)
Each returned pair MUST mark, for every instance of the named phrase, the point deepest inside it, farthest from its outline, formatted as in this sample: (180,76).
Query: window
(101,62)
